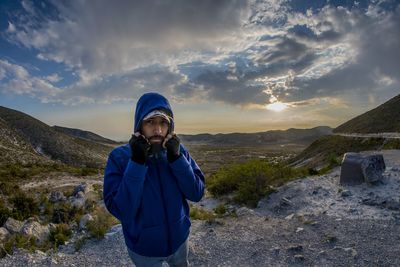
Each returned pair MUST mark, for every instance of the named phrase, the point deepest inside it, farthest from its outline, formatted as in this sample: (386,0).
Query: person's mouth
(156,139)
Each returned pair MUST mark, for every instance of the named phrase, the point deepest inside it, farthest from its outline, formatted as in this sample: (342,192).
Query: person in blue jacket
(147,185)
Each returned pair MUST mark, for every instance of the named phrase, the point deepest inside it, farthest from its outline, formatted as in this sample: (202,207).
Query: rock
(299,257)
(56,196)
(299,229)
(80,194)
(37,230)
(357,169)
(289,217)
(243,211)
(13,226)
(372,167)
(285,202)
(4,233)
(275,250)
(351,173)
(83,187)
(345,193)
(84,220)
(391,204)
(298,248)
(78,202)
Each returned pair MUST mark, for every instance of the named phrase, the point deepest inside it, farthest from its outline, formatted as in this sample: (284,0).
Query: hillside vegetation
(384,118)
(327,151)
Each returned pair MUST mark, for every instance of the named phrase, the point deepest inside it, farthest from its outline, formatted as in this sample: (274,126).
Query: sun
(277,106)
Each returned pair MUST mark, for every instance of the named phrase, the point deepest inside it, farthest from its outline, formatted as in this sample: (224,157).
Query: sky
(225,65)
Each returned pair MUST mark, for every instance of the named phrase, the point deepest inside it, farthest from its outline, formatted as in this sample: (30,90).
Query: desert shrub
(4,213)
(7,188)
(220,209)
(60,234)
(24,206)
(18,241)
(98,188)
(103,220)
(392,144)
(200,214)
(312,171)
(64,212)
(80,242)
(251,180)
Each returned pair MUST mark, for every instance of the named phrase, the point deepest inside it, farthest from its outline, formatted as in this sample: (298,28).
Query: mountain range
(24,139)
(298,136)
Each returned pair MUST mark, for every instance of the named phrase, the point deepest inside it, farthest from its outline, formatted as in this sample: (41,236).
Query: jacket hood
(149,102)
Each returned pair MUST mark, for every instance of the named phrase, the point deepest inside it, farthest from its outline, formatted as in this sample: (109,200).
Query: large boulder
(357,169)
(13,226)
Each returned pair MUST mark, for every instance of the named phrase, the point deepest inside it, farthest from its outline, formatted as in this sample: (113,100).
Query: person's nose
(157,129)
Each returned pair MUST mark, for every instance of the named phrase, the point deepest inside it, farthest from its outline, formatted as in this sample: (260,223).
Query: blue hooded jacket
(150,200)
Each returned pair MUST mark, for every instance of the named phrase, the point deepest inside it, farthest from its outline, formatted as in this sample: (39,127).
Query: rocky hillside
(384,118)
(14,148)
(299,136)
(86,135)
(23,137)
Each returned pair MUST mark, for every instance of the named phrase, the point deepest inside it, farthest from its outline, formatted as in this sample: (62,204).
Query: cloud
(16,79)
(375,41)
(238,52)
(112,38)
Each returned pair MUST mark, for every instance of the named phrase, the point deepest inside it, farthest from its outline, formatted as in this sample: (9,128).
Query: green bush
(23,206)
(4,213)
(250,181)
(64,212)
(60,234)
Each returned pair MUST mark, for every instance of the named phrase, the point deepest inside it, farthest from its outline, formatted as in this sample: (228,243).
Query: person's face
(155,129)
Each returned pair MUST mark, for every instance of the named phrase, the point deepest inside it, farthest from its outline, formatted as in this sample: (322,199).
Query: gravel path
(310,222)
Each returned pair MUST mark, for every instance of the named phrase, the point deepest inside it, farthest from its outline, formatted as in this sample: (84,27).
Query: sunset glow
(277,106)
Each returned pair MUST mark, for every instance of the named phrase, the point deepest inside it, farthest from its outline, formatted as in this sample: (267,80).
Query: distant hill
(23,135)
(86,135)
(298,136)
(384,118)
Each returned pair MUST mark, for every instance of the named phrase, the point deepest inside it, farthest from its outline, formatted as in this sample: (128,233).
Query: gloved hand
(140,148)
(171,143)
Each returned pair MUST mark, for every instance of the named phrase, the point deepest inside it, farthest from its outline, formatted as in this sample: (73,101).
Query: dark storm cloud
(303,32)
(374,68)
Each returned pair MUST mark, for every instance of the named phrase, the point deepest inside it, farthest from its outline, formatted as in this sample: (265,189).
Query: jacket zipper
(165,209)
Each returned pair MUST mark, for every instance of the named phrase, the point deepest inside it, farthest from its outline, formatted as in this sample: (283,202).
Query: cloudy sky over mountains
(226,66)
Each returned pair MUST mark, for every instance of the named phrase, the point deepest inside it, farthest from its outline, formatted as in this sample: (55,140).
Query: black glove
(140,148)
(172,146)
